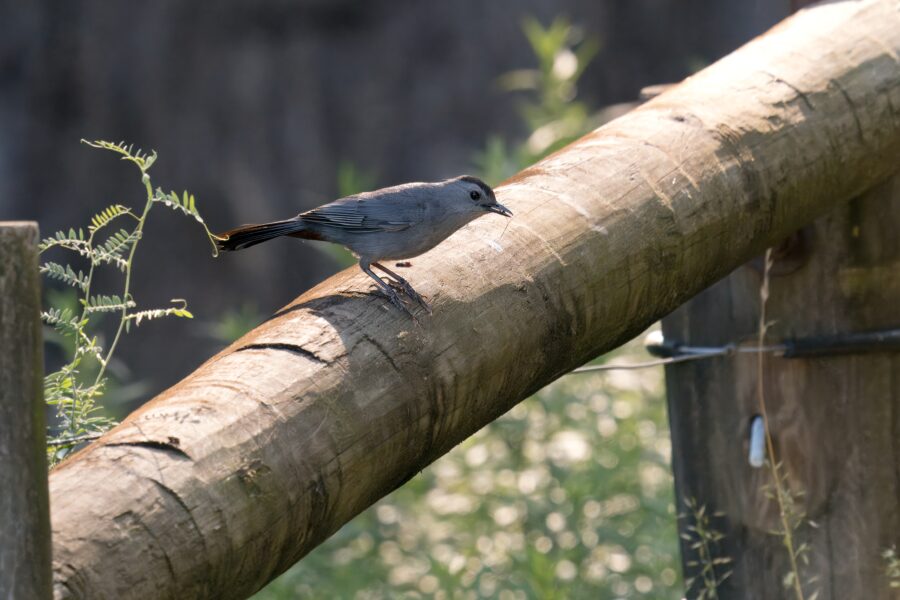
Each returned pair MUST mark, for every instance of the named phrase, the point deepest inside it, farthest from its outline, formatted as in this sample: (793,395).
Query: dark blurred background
(257,107)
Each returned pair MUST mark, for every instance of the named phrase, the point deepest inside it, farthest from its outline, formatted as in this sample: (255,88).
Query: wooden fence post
(24,514)
(835,420)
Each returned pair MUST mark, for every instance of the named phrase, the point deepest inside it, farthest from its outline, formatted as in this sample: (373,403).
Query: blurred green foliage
(569,495)
(352,180)
(550,110)
(235,322)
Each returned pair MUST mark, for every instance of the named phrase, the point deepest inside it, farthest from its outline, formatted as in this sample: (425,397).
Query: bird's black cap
(484,187)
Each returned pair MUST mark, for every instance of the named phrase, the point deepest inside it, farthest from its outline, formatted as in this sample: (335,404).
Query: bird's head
(476,195)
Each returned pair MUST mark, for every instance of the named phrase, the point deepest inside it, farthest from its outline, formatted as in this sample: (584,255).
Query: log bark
(225,480)
(834,419)
(24,513)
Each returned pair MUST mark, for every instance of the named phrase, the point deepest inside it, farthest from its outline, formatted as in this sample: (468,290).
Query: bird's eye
(475,195)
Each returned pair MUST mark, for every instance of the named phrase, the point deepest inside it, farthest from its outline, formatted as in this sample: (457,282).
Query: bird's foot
(395,299)
(410,293)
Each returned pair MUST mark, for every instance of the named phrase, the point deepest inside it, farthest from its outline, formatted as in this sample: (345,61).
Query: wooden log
(225,480)
(855,566)
(24,514)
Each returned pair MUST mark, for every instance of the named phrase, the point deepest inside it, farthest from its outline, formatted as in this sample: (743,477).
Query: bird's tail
(250,235)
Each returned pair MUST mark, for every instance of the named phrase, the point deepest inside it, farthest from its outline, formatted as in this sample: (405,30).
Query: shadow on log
(228,478)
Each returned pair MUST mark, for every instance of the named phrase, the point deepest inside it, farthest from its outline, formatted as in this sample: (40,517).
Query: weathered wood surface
(24,515)
(835,421)
(228,478)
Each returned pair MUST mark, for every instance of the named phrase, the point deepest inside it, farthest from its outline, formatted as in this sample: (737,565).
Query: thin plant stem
(78,338)
(709,574)
(787,536)
(126,294)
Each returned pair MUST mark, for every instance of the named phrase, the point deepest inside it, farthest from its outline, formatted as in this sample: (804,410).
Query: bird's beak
(499,209)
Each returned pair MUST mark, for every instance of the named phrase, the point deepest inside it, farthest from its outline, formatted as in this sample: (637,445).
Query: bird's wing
(363,215)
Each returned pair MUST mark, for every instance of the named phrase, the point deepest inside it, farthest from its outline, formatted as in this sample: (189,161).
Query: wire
(686,353)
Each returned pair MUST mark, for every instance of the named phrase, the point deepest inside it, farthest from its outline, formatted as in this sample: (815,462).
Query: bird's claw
(395,299)
(411,294)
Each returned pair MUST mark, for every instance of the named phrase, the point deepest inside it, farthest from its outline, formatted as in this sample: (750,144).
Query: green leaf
(103,303)
(109,213)
(188,205)
(73,240)
(140,158)
(100,255)
(118,243)
(185,203)
(64,321)
(157,313)
(65,274)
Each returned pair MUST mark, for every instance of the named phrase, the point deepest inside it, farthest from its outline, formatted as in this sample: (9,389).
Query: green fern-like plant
(71,390)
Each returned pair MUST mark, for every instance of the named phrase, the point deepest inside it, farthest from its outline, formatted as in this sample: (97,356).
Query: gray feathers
(358,215)
(393,223)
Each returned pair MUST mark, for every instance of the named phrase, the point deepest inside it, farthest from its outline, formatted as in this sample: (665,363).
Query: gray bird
(391,224)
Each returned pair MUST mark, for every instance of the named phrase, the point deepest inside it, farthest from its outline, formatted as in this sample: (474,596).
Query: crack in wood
(801,95)
(168,447)
(381,349)
(859,127)
(293,348)
(168,492)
